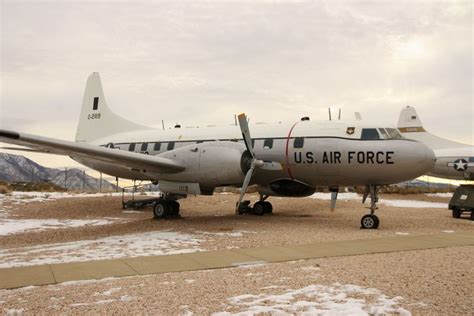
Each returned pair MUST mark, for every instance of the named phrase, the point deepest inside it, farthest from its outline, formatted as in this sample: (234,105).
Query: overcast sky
(199,63)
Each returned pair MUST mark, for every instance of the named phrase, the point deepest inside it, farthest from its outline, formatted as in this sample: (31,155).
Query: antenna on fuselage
(339,117)
(329,109)
(235,119)
(163,124)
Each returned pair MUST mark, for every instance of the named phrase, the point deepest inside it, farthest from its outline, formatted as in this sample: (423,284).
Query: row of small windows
(298,142)
(144,147)
(156,146)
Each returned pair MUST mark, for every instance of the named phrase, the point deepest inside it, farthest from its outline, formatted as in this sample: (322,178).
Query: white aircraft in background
(285,159)
(453,160)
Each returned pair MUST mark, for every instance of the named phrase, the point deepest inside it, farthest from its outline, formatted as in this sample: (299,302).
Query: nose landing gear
(370,221)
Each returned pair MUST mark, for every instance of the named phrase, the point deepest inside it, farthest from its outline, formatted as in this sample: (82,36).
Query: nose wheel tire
(369,221)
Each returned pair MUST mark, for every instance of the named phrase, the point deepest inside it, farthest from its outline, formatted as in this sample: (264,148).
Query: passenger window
(157,147)
(170,146)
(370,134)
(299,142)
(131,147)
(144,147)
(268,143)
(384,133)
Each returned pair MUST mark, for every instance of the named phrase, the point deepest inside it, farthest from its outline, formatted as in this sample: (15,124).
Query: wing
(87,151)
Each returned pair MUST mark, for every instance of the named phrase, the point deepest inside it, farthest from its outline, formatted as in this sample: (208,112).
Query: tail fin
(97,120)
(410,126)
(409,121)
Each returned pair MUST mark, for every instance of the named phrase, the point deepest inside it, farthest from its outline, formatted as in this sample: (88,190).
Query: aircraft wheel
(457,213)
(161,209)
(369,221)
(472,215)
(259,208)
(268,207)
(174,207)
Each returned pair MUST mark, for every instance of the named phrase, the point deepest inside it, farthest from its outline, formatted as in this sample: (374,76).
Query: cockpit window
(394,134)
(370,134)
(384,133)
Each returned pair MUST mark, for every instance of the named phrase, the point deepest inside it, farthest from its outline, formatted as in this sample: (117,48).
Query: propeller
(254,162)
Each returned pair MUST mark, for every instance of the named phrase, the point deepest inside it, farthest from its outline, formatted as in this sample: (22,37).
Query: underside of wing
(131,160)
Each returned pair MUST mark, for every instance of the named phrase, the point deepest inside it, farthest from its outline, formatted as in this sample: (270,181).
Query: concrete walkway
(57,273)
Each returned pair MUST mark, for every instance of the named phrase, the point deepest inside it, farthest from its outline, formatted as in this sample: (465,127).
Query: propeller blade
(243,189)
(244,128)
(333,201)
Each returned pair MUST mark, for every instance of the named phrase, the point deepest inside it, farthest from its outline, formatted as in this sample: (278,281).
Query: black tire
(161,209)
(268,207)
(174,208)
(472,215)
(457,213)
(369,221)
(259,208)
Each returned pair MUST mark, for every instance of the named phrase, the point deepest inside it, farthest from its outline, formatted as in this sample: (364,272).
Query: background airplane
(453,160)
(285,159)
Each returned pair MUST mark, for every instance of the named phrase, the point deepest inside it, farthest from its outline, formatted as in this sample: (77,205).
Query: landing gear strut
(166,208)
(259,208)
(370,221)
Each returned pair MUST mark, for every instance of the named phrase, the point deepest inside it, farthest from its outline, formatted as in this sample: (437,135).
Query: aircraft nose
(428,157)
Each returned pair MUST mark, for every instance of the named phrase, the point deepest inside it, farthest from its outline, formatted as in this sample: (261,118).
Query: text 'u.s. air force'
(350,157)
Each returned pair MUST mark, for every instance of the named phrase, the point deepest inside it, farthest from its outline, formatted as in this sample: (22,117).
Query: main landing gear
(166,207)
(259,208)
(370,221)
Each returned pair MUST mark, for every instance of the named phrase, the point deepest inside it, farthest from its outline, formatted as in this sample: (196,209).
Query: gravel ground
(429,281)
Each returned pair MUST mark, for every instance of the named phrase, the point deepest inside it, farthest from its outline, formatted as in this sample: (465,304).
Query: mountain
(425,184)
(16,168)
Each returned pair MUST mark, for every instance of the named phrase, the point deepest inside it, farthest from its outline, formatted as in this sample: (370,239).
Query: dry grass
(4,189)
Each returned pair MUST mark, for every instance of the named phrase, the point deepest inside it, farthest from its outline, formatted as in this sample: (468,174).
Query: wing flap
(87,151)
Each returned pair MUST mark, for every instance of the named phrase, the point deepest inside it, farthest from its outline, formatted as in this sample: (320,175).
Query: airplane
(283,159)
(453,160)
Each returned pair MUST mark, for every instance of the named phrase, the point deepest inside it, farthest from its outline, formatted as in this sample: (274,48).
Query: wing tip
(9,134)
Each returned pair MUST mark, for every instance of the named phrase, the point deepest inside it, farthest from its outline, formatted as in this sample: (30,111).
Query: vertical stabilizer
(96,119)
(409,120)
(410,126)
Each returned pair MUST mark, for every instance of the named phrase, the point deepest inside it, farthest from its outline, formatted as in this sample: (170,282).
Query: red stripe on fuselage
(286,151)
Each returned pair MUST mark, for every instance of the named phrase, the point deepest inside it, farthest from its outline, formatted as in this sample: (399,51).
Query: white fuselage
(335,153)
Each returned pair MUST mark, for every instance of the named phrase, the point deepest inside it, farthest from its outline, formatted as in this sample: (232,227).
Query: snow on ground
(414,204)
(237,233)
(132,245)
(342,196)
(18,197)
(17,226)
(345,196)
(441,195)
(336,299)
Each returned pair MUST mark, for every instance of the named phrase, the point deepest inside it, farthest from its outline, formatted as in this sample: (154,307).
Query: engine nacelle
(210,164)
